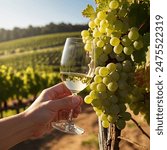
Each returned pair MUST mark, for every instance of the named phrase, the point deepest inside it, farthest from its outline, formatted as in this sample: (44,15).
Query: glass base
(68,127)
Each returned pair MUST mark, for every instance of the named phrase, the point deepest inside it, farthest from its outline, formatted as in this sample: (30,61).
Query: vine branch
(141,129)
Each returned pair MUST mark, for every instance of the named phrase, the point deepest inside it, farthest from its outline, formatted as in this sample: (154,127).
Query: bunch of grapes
(115,42)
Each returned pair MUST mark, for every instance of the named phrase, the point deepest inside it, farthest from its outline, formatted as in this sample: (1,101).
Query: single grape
(114,4)
(122,84)
(93,86)
(102,30)
(120,124)
(113,99)
(96,33)
(107,49)
(101,87)
(94,94)
(101,15)
(100,43)
(133,35)
(118,49)
(103,117)
(85,33)
(138,45)
(107,80)
(88,46)
(97,70)
(114,76)
(114,41)
(103,71)
(98,79)
(88,99)
(126,41)
(104,23)
(92,24)
(128,50)
(112,118)
(127,66)
(105,124)
(126,116)
(111,67)
(121,57)
(118,67)
(112,86)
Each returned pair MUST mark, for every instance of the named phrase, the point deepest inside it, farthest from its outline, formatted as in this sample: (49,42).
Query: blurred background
(32,35)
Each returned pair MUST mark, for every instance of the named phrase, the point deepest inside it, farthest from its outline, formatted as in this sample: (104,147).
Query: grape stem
(133,142)
(141,129)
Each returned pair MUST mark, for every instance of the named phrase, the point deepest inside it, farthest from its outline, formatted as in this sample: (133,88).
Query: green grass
(35,42)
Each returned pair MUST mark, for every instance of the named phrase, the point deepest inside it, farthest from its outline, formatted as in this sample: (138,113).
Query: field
(43,53)
(34,51)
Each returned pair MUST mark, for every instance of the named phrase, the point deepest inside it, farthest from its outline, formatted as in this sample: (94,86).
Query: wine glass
(76,69)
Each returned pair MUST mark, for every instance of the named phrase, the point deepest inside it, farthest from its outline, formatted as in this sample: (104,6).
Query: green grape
(114,4)
(103,58)
(115,109)
(98,79)
(118,25)
(96,33)
(93,86)
(118,49)
(122,107)
(101,87)
(112,86)
(133,35)
(111,67)
(108,31)
(105,124)
(122,84)
(120,57)
(92,24)
(114,41)
(88,99)
(104,23)
(103,71)
(114,99)
(118,67)
(98,52)
(112,118)
(102,30)
(85,33)
(126,116)
(97,70)
(94,94)
(111,17)
(97,21)
(122,12)
(114,76)
(138,45)
(107,80)
(97,103)
(103,117)
(128,50)
(120,124)
(101,15)
(100,43)
(123,76)
(98,112)
(116,34)
(126,41)
(88,46)
(107,49)
(127,66)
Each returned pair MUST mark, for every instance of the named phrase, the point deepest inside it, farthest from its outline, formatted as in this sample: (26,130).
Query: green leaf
(89,12)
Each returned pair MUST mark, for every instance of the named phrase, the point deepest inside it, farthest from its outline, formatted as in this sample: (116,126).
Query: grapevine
(120,33)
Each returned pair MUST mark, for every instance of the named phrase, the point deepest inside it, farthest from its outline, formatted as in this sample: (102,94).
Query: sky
(22,13)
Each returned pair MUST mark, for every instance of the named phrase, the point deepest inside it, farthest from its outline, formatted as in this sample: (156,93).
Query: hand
(52,105)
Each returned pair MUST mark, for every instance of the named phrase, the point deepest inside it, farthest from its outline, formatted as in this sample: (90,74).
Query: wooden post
(108,137)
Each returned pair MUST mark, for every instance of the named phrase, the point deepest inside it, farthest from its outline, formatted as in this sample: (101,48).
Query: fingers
(57,91)
(66,103)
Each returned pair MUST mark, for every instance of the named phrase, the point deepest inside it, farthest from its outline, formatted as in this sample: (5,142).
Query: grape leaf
(89,12)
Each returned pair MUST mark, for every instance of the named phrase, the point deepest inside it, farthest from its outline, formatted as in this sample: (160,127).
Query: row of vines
(19,88)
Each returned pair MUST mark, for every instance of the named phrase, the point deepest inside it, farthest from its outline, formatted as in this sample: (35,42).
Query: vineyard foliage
(120,31)
(24,84)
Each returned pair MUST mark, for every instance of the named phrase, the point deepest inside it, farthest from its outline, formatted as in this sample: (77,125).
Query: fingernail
(76,100)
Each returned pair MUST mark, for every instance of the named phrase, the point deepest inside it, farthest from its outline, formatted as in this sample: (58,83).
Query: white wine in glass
(76,69)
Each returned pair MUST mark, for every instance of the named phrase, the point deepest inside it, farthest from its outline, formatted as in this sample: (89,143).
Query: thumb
(68,102)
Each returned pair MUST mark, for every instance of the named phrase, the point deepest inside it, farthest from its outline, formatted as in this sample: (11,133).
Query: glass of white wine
(76,70)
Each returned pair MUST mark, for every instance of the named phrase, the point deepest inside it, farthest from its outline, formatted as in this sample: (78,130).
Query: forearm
(14,130)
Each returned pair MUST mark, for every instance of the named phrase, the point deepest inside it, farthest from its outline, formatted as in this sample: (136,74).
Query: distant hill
(16,33)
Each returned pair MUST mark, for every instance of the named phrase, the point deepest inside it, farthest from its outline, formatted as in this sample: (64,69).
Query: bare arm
(53,104)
